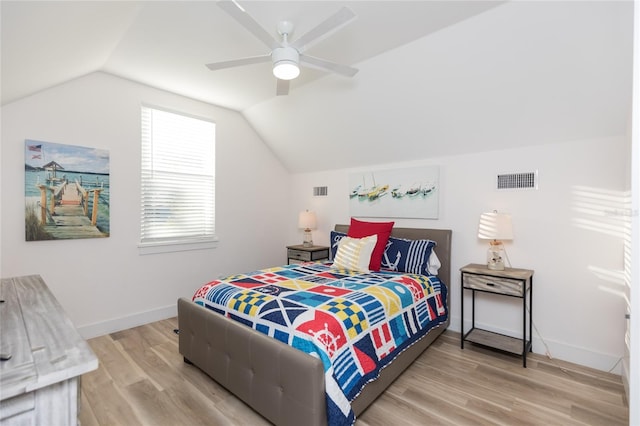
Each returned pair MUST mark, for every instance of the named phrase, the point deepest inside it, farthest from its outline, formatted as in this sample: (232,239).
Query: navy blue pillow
(335,238)
(410,256)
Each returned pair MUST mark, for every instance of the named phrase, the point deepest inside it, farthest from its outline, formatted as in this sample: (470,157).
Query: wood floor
(142,380)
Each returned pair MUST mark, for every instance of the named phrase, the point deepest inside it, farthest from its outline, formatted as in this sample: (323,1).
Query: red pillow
(360,229)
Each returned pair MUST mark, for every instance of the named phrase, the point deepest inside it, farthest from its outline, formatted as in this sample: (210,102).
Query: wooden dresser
(40,382)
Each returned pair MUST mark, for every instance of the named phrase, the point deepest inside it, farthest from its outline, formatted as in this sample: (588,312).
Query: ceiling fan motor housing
(285,63)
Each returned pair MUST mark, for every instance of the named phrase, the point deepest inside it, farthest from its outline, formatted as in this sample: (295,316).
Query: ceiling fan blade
(239,14)
(238,62)
(324,29)
(282,88)
(324,65)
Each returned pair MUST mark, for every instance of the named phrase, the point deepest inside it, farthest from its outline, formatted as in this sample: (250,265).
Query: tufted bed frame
(283,384)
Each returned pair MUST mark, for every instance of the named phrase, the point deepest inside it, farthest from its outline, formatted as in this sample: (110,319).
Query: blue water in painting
(89,181)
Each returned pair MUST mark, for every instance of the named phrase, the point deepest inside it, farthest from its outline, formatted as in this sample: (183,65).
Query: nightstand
(300,253)
(511,282)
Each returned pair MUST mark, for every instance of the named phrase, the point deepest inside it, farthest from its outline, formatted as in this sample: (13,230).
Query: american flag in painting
(355,323)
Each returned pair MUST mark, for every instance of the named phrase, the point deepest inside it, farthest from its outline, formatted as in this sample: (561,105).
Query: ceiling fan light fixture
(285,63)
(286,70)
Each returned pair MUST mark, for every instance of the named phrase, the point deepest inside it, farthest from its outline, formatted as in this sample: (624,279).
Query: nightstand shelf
(300,253)
(495,340)
(511,282)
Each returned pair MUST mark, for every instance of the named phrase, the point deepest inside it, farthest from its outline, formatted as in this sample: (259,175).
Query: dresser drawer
(299,255)
(491,284)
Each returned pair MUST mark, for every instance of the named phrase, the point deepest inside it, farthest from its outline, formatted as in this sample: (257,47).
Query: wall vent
(320,191)
(528,180)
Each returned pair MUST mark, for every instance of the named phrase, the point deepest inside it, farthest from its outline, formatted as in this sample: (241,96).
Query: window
(178,181)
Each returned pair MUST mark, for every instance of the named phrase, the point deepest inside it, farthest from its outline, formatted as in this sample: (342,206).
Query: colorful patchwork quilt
(355,323)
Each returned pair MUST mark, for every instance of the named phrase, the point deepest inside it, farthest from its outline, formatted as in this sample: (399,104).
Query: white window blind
(178,178)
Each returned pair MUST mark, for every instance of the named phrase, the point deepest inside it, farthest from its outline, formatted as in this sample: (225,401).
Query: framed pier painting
(66,191)
(398,193)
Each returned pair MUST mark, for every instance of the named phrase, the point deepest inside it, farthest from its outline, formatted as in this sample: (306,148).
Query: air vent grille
(528,180)
(320,191)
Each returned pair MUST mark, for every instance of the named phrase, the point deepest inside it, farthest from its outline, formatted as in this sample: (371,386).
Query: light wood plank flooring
(142,380)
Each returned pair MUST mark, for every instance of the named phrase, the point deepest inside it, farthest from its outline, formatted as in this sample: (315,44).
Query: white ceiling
(436,77)
(166,43)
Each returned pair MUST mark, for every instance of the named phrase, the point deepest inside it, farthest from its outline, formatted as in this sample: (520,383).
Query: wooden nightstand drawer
(493,284)
(299,255)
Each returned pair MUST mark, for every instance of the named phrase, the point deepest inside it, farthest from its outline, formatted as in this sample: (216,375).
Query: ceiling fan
(285,56)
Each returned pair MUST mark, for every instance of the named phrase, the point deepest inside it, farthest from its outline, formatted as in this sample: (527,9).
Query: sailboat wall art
(398,193)
(66,191)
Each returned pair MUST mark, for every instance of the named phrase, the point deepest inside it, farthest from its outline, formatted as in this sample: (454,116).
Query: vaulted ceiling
(436,77)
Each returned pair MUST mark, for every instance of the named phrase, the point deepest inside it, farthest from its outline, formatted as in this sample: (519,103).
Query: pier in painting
(64,210)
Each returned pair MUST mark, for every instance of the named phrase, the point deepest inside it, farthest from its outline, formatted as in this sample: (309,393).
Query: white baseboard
(130,321)
(559,350)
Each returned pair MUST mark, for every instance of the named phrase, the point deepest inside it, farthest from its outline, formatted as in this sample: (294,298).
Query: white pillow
(433,265)
(354,254)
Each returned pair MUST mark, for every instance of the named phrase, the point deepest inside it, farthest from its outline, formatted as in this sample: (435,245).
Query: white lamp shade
(495,226)
(307,220)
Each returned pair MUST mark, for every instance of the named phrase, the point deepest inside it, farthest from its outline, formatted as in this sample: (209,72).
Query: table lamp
(307,221)
(495,227)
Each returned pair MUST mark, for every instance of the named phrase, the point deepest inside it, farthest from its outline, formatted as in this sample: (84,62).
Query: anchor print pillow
(411,256)
(335,238)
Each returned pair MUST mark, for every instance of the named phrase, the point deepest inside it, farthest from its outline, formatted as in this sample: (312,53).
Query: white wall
(633,369)
(104,284)
(566,231)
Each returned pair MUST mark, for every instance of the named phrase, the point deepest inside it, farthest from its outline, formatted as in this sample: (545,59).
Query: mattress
(355,323)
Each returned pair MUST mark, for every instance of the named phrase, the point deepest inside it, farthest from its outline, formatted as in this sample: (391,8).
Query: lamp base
(308,241)
(496,266)
(495,256)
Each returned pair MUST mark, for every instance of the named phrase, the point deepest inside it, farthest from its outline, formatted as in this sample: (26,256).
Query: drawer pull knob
(491,284)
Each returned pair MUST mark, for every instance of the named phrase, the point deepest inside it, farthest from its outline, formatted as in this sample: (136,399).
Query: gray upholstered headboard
(442,237)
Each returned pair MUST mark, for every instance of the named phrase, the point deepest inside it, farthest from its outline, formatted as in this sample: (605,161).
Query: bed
(284,384)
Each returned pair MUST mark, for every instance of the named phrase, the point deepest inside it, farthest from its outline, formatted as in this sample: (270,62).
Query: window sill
(175,246)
